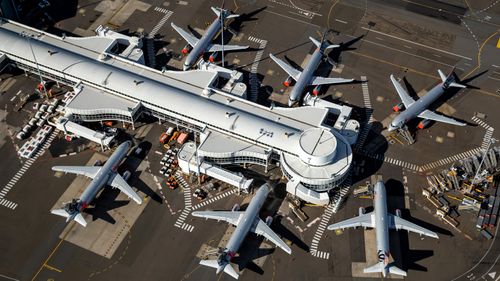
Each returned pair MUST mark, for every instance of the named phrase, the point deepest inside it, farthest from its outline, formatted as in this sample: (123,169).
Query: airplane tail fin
(318,44)
(76,217)
(227,268)
(382,268)
(449,80)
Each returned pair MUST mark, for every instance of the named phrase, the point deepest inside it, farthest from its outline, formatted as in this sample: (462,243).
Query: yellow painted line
(54,250)
(52,268)
(498,43)
(394,137)
(479,54)
(330,12)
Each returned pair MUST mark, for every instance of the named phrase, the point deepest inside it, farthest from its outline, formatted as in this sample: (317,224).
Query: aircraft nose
(290,102)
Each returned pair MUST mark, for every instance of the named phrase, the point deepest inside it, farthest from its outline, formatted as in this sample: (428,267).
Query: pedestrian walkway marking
(368,114)
(213,199)
(253,79)
(187,203)
(27,164)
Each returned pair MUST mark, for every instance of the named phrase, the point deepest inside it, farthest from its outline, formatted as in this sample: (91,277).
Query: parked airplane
(244,221)
(204,44)
(100,177)
(418,108)
(382,221)
(306,77)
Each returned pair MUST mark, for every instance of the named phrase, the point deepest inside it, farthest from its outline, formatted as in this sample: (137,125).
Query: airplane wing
(232,217)
(427,114)
(398,223)
(122,185)
(292,72)
(261,228)
(363,220)
(88,171)
(188,37)
(405,98)
(317,80)
(218,48)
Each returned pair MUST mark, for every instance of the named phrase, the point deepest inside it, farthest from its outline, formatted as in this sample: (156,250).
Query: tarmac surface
(410,39)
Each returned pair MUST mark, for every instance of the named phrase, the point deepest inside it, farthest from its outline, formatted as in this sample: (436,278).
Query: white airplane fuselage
(202,45)
(305,77)
(417,107)
(382,229)
(247,222)
(105,174)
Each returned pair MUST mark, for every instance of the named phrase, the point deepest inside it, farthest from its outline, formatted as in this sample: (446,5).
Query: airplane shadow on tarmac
(404,257)
(104,203)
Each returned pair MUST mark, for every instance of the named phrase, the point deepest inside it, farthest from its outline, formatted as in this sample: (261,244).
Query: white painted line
(341,21)
(7,277)
(415,43)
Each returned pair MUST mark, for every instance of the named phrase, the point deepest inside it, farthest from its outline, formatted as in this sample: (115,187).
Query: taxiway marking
(44,264)
(415,43)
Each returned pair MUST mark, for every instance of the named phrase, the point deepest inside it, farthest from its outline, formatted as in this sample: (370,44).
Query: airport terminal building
(310,144)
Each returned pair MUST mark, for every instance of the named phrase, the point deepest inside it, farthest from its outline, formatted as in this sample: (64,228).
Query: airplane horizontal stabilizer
(316,42)
(228,269)
(61,212)
(378,267)
(456,85)
(78,217)
(227,14)
(382,268)
(396,270)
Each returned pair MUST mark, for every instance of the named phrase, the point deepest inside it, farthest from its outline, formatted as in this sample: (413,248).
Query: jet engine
(186,49)
(316,90)
(424,123)
(398,107)
(269,220)
(212,57)
(126,175)
(287,82)
(398,212)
